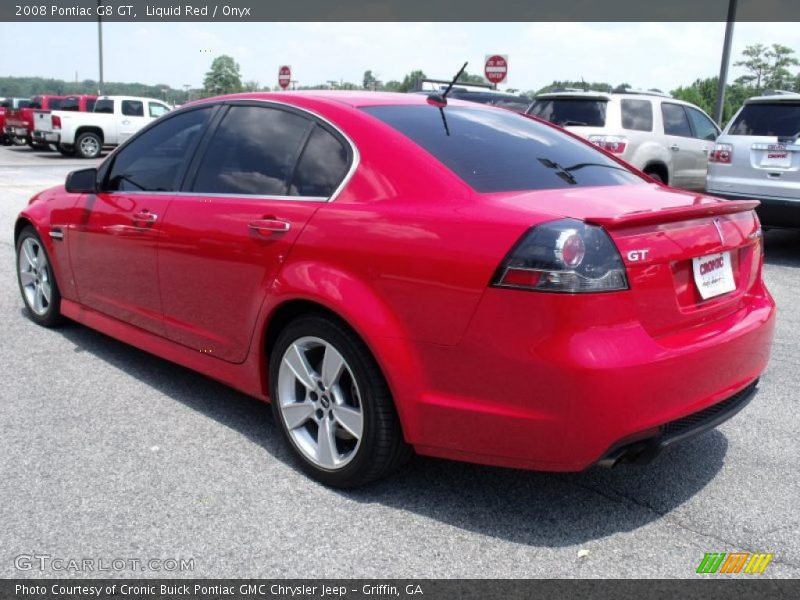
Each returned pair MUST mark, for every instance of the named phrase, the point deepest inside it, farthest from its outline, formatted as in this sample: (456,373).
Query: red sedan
(400,273)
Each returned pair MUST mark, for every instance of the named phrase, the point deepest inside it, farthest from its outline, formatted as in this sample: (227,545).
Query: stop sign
(496,68)
(284,76)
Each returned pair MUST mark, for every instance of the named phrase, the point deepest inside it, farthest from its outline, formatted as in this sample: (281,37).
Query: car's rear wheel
(36,280)
(88,145)
(333,405)
(655,175)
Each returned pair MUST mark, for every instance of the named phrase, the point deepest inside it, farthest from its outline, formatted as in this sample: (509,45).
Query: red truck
(19,122)
(42,133)
(6,106)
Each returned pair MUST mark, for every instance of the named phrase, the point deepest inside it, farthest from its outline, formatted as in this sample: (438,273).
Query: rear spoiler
(677,213)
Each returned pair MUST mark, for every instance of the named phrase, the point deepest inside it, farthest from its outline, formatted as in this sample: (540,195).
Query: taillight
(613,143)
(563,256)
(722,153)
(56,121)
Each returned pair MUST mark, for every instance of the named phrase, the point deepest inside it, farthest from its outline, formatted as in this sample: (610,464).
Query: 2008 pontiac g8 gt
(398,273)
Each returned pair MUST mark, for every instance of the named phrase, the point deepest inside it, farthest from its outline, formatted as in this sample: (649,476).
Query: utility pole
(726,57)
(100,47)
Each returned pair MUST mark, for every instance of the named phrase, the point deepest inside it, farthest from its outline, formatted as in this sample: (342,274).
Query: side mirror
(83,181)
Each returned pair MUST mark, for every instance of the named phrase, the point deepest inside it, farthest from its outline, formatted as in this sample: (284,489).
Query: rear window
(571,111)
(24,104)
(35,103)
(637,115)
(104,106)
(498,150)
(54,104)
(780,119)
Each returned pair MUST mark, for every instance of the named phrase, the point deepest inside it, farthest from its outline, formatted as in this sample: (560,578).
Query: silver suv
(668,139)
(758,156)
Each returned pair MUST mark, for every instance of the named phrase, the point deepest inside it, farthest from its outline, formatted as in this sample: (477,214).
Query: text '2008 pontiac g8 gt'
(399,273)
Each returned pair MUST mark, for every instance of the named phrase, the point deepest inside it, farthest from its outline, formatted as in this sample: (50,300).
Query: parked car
(474,92)
(114,119)
(758,156)
(19,121)
(668,139)
(43,132)
(492,289)
(7,105)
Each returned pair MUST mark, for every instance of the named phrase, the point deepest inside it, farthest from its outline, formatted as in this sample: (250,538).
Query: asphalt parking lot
(107,452)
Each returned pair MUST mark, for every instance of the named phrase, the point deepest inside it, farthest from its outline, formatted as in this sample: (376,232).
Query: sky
(645,55)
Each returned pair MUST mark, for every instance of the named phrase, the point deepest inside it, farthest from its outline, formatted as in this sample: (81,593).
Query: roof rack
(778,93)
(641,92)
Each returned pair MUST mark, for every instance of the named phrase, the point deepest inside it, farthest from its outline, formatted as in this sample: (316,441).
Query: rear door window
(71,104)
(675,120)
(571,111)
(252,152)
(703,127)
(322,165)
(780,119)
(637,115)
(498,150)
(104,106)
(54,104)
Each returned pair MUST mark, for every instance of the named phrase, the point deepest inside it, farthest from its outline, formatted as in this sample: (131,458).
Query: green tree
(223,77)
(780,57)
(756,63)
(392,86)
(703,93)
(468,78)
(370,81)
(251,86)
(412,80)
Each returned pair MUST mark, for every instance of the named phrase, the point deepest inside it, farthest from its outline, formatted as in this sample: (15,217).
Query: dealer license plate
(713,274)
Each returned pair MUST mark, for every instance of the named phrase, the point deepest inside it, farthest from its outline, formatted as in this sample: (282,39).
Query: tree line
(766,67)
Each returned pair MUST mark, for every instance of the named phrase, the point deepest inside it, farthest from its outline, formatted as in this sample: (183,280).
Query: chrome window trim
(215,195)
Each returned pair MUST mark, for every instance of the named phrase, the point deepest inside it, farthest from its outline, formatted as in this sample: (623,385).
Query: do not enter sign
(496,68)
(284,76)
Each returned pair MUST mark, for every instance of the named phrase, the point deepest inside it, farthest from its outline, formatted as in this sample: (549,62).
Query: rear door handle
(267,226)
(674,147)
(145,216)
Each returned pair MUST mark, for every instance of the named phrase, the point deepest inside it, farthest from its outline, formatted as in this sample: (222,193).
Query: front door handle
(267,226)
(146,217)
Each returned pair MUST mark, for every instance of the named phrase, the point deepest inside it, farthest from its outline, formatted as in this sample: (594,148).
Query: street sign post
(496,68)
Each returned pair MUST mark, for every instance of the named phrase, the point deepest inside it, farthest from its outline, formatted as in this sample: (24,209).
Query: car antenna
(442,98)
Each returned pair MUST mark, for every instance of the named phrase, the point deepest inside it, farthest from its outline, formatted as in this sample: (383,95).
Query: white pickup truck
(114,119)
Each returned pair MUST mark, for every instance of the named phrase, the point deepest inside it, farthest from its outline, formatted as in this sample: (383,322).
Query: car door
(132,119)
(705,133)
(688,160)
(115,240)
(262,175)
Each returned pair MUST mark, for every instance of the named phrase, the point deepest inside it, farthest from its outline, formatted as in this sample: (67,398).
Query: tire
(18,141)
(36,280)
(38,146)
(66,149)
(655,175)
(351,403)
(88,145)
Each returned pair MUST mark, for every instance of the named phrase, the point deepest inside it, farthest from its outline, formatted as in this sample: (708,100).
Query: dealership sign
(496,68)
(284,76)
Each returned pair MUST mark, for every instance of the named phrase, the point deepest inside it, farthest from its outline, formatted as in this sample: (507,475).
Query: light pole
(100,47)
(726,57)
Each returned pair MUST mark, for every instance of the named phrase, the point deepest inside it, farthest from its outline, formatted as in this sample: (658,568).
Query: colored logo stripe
(721,562)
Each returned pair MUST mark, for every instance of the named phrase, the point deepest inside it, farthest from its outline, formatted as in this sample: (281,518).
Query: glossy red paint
(405,255)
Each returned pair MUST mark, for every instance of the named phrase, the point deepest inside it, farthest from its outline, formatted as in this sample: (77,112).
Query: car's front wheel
(333,405)
(36,280)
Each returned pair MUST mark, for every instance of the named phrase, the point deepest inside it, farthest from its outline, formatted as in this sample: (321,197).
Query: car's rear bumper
(46,136)
(773,212)
(535,385)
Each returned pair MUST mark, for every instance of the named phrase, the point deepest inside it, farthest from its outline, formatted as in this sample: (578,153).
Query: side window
(156,109)
(54,104)
(133,108)
(321,167)
(104,106)
(675,121)
(90,105)
(252,152)
(637,115)
(704,127)
(152,161)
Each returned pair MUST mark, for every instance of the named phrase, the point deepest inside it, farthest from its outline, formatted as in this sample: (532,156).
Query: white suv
(668,139)
(758,156)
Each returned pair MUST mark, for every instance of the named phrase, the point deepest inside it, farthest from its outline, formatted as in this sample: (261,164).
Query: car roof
(609,95)
(355,99)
